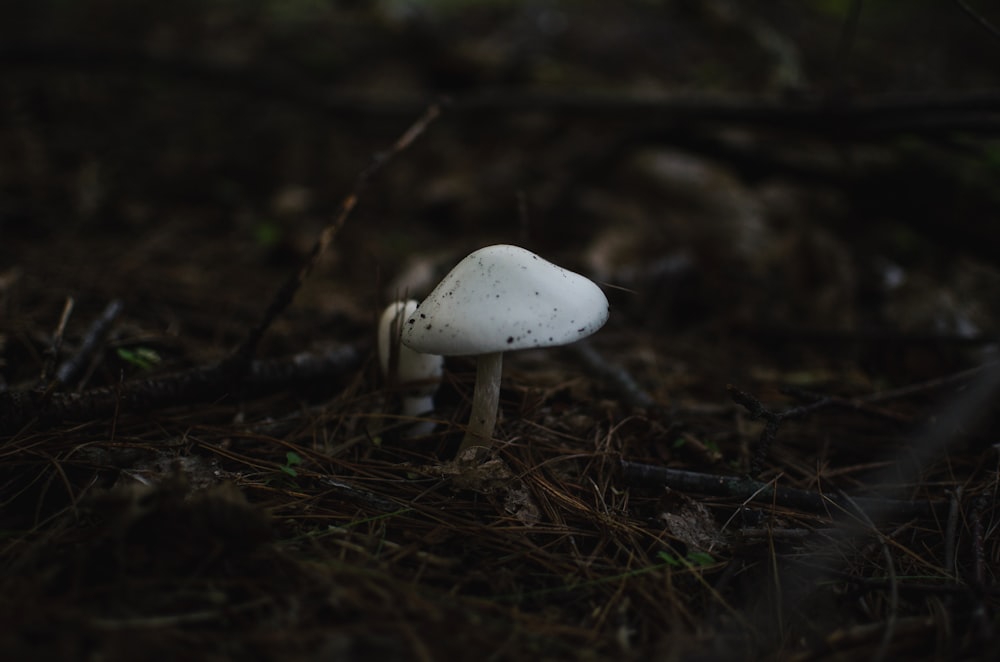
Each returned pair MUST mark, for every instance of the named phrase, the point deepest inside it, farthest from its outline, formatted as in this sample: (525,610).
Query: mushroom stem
(485,401)
(415,405)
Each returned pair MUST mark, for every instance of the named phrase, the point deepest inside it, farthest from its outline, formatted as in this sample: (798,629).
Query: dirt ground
(782,445)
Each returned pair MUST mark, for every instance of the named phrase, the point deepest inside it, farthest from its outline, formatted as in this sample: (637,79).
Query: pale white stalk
(485,401)
(418,405)
(415,405)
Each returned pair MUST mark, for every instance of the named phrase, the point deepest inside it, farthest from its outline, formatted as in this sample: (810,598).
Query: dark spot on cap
(428,327)
(580,330)
(510,339)
(422,316)
(412,320)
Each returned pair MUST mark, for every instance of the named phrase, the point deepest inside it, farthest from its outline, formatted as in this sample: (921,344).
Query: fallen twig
(205,384)
(983,620)
(362,497)
(243,354)
(614,375)
(860,405)
(989,370)
(56,344)
(773,421)
(740,487)
(978,536)
(951,530)
(69,371)
(979,18)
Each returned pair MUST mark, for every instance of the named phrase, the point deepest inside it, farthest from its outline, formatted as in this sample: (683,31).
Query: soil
(781,445)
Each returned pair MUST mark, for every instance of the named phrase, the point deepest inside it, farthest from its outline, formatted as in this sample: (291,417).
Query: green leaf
(700,558)
(292,459)
(669,559)
(143,358)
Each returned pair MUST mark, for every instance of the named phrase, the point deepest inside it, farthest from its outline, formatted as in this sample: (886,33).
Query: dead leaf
(694,526)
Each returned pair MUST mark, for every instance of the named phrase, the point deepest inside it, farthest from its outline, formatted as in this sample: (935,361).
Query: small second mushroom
(417,373)
(502,298)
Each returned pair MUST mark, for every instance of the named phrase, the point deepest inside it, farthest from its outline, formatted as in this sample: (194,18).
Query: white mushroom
(417,373)
(497,299)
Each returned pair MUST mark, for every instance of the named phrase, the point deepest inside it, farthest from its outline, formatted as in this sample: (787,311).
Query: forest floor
(783,443)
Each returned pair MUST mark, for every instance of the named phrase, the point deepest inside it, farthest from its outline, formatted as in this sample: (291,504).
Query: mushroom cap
(501,298)
(411,366)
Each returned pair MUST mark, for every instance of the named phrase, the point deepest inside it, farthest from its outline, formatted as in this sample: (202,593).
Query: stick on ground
(243,354)
(739,487)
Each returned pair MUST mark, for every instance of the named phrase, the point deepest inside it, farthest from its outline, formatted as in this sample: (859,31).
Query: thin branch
(981,615)
(978,18)
(286,293)
(743,488)
(859,405)
(773,421)
(56,344)
(881,584)
(957,379)
(206,384)
(180,619)
(363,497)
(71,369)
(951,531)
(614,375)
(978,536)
